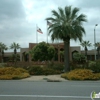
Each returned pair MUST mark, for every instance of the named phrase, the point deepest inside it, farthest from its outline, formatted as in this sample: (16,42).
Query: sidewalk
(54,78)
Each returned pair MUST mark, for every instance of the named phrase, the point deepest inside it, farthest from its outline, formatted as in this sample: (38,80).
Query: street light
(95,40)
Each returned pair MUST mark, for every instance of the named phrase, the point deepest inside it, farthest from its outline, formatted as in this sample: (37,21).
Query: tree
(97,45)
(80,58)
(42,51)
(13,57)
(66,25)
(51,52)
(85,44)
(15,46)
(2,48)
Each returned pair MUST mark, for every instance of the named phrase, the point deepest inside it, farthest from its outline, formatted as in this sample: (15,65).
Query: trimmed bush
(36,70)
(13,73)
(49,71)
(95,66)
(81,74)
(58,66)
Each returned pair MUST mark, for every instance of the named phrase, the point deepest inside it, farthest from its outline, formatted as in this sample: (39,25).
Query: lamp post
(95,40)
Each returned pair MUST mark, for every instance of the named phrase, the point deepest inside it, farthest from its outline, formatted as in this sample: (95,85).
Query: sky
(19,20)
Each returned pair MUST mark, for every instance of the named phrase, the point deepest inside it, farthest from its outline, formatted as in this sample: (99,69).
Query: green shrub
(21,76)
(49,71)
(2,64)
(73,65)
(81,74)
(95,66)
(58,66)
(13,73)
(79,58)
(36,70)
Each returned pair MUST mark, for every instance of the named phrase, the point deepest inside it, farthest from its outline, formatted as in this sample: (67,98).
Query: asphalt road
(30,90)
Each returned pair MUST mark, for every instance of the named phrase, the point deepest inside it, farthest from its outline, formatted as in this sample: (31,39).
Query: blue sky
(18,19)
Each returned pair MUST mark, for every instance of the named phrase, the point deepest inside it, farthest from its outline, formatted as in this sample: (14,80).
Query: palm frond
(68,12)
(74,13)
(67,24)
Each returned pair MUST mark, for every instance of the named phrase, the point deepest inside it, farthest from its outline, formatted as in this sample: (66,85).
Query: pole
(94,44)
(36,35)
(47,32)
(95,40)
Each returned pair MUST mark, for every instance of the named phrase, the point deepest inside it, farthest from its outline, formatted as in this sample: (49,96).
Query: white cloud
(18,19)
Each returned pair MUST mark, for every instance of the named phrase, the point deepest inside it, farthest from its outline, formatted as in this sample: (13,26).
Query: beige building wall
(21,52)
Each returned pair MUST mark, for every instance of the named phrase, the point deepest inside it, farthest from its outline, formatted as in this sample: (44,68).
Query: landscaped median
(81,74)
(9,73)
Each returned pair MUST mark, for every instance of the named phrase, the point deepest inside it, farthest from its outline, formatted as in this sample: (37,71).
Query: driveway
(45,78)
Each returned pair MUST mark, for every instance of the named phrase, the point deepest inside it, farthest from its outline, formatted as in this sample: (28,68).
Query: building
(58,47)
(8,56)
(25,56)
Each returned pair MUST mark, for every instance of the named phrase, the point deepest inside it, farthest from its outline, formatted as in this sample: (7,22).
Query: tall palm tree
(66,25)
(97,45)
(2,48)
(85,44)
(15,46)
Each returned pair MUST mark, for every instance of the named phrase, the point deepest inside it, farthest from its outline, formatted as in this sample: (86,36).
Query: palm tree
(15,46)
(66,25)
(2,48)
(97,45)
(85,44)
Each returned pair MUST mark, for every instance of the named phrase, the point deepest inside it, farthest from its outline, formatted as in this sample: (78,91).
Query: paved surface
(43,90)
(45,78)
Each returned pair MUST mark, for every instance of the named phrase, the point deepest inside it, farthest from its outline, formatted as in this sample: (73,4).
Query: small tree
(42,51)
(2,48)
(79,58)
(51,52)
(13,57)
(85,44)
(79,61)
(15,46)
(97,45)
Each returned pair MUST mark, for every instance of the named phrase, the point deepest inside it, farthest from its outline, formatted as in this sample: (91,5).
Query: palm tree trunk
(2,56)
(86,54)
(14,51)
(66,56)
(85,51)
(15,57)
